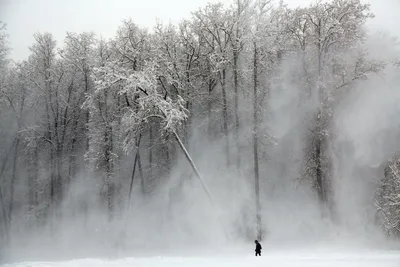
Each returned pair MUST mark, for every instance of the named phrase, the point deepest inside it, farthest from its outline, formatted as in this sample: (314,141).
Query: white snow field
(269,259)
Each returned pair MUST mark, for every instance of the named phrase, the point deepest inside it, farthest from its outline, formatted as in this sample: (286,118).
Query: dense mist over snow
(90,159)
(368,130)
(288,259)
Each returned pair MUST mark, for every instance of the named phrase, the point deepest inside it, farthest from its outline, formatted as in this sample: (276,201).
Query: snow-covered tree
(77,53)
(177,54)
(103,106)
(4,51)
(329,38)
(107,108)
(215,27)
(4,47)
(387,199)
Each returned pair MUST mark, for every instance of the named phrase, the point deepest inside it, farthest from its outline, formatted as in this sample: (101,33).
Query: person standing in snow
(258,248)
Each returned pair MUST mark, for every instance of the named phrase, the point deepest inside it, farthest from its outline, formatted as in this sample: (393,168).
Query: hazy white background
(25,17)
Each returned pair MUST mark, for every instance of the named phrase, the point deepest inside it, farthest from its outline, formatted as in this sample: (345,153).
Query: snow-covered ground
(269,259)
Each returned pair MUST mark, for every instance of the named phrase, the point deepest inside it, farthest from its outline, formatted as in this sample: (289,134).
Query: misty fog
(78,116)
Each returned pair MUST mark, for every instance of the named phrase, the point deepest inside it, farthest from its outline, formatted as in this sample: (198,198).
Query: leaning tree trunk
(135,163)
(189,158)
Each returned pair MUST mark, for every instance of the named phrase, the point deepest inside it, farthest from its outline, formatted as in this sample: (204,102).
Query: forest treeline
(125,109)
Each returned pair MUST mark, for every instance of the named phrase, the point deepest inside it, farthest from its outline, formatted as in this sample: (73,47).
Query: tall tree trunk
(318,171)
(36,176)
(151,144)
(32,178)
(188,107)
(255,144)
(5,219)
(322,183)
(142,181)
(210,87)
(13,180)
(167,155)
(318,142)
(53,178)
(53,190)
(225,117)
(72,162)
(187,125)
(58,169)
(236,86)
(87,114)
(109,171)
(209,111)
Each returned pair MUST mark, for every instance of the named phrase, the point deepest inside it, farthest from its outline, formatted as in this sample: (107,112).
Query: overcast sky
(25,17)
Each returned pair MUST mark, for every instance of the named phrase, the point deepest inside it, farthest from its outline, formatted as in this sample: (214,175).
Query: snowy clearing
(381,259)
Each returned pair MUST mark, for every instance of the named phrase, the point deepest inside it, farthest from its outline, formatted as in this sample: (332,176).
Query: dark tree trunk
(109,171)
(225,117)
(142,181)
(168,164)
(209,111)
(53,180)
(188,107)
(151,144)
(72,159)
(87,115)
(135,163)
(58,168)
(255,144)
(33,176)
(13,180)
(237,123)
(5,219)
(318,171)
